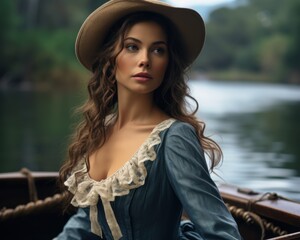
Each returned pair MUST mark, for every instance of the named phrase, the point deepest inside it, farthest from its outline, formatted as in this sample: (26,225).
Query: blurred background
(247,82)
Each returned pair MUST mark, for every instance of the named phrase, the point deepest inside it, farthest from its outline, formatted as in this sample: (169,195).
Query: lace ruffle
(132,175)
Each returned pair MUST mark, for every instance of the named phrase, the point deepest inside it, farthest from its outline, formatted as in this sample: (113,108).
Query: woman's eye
(159,50)
(131,47)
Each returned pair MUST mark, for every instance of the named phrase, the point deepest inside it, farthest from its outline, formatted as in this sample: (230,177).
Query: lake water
(256,125)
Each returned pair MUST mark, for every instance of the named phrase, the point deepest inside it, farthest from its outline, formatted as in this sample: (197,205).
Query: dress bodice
(144,199)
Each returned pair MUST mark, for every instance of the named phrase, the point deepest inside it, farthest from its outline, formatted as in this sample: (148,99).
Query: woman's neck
(137,109)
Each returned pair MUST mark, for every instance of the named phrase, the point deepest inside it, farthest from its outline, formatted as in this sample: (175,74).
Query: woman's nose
(144,60)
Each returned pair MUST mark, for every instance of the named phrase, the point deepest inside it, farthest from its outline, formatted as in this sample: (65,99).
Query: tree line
(257,38)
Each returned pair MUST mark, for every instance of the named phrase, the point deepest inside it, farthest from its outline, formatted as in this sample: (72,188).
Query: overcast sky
(186,3)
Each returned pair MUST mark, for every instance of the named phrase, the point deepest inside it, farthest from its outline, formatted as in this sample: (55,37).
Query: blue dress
(144,199)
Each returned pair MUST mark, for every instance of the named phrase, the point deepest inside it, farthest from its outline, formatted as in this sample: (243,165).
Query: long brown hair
(171,96)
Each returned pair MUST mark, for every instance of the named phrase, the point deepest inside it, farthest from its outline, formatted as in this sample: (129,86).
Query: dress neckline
(154,130)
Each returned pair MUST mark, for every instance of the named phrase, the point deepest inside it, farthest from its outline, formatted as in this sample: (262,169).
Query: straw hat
(187,22)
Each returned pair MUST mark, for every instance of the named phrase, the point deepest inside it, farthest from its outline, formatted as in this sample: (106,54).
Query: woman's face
(142,63)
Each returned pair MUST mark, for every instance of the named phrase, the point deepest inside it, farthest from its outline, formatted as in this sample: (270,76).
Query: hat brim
(187,22)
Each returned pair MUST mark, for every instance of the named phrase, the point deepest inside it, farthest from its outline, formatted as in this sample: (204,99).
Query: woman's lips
(142,77)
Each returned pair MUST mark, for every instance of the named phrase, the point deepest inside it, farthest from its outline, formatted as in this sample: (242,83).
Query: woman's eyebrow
(139,41)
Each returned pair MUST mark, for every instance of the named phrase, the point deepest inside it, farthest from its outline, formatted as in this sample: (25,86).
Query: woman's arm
(189,176)
(78,227)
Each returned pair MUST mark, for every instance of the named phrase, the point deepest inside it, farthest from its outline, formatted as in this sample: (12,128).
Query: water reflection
(257,128)
(34,129)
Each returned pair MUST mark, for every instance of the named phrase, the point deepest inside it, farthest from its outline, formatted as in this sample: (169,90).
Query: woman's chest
(119,148)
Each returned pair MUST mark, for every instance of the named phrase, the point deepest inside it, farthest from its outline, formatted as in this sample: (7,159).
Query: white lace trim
(131,175)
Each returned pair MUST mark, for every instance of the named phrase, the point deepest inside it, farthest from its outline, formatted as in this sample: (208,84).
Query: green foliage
(261,36)
(272,50)
(37,42)
(293,54)
(8,20)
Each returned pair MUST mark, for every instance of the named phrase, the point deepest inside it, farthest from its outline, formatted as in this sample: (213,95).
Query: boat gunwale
(289,210)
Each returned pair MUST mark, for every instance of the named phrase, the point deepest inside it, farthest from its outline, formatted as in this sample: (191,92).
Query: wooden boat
(31,208)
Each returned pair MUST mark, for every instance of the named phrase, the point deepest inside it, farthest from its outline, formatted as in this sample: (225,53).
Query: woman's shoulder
(180,133)
(181,128)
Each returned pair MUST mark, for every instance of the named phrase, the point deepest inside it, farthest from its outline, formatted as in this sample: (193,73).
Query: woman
(137,159)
